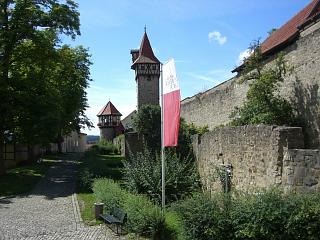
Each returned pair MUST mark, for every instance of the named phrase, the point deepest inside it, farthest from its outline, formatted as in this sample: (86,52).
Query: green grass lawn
(22,179)
(86,203)
(92,166)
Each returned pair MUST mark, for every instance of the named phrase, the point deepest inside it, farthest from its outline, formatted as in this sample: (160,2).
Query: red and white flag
(171,105)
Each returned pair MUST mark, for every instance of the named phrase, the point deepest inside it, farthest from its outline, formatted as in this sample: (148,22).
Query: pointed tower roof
(146,54)
(290,30)
(109,109)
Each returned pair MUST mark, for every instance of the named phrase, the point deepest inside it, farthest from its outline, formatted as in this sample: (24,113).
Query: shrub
(263,103)
(174,226)
(261,216)
(85,180)
(304,222)
(203,218)
(144,217)
(104,148)
(109,193)
(142,174)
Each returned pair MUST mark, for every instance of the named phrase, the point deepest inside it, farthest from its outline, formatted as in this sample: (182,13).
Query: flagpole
(163,201)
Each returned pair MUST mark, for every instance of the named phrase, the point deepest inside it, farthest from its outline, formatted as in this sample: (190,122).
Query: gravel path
(50,211)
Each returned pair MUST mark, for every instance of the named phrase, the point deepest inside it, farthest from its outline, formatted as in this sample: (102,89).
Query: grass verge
(92,166)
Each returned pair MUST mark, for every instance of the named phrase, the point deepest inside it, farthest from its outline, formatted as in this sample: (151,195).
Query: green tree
(263,103)
(148,124)
(50,85)
(73,76)
(20,21)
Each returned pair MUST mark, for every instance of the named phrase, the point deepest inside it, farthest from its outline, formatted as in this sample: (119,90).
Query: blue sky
(205,37)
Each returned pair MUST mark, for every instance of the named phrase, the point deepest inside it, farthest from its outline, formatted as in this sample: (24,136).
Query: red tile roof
(146,54)
(109,109)
(290,30)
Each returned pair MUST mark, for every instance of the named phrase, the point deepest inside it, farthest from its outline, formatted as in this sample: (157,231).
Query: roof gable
(109,109)
(290,30)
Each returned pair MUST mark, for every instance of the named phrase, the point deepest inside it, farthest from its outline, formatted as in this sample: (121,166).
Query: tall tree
(20,21)
(49,85)
(74,75)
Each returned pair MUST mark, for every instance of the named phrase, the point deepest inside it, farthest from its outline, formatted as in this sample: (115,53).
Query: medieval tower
(109,122)
(147,73)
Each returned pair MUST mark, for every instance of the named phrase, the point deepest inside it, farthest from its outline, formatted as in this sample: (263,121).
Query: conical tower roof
(146,54)
(109,109)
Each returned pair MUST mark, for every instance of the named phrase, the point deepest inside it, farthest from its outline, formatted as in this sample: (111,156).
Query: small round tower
(109,122)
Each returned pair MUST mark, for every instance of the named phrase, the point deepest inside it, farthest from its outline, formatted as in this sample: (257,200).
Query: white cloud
(243,55)
(217,36)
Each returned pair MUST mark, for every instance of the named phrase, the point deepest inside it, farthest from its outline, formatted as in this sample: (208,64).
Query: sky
(206,38)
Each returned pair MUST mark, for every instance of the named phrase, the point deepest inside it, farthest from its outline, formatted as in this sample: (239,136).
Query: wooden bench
(116,216)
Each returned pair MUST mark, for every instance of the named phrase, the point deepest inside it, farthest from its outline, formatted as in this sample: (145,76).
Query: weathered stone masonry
(261,156)
(214,106)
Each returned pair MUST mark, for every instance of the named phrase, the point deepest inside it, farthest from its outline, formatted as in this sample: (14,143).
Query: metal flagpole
(163,201)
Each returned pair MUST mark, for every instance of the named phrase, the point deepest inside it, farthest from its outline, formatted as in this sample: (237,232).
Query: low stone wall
(133,143)
(255,153)
(301,170)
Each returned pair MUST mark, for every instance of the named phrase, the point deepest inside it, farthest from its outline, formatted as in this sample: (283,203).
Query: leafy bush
(174,226)
(203,218)
(304,222)
(142,174)
(85,180)
(109,193)
(263,103)
(261,216)
(144,217)
(104,148)
(184,148)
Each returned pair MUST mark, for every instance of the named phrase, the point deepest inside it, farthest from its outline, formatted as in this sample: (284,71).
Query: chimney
(135,54)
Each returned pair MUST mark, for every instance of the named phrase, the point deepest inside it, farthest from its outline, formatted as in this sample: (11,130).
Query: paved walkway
(50,211)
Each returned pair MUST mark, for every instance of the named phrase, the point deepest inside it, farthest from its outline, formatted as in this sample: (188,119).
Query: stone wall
(214,106)
(301,170)
(107,133)
(148,90)
(255,153)
(129,143)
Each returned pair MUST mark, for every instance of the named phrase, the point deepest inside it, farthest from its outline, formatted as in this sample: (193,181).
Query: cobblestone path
(50,211)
